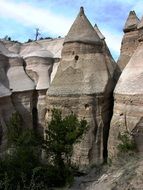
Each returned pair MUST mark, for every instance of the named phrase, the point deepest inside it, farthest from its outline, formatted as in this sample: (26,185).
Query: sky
(20,18)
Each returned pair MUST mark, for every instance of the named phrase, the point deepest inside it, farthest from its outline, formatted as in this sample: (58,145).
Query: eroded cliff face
(128,95)
(39,66)
(25,76)
(83,75)
(6,106)
(82,82)
(79,77)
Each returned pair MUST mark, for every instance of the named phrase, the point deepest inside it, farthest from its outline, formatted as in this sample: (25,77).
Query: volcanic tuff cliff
(26,71)
(76,74)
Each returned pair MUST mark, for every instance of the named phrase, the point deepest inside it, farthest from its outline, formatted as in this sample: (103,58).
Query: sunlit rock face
(84,84)
(22,88)
(29,69)
(128,95)
(112,67)
(39,65)
(130,39)
(26,71)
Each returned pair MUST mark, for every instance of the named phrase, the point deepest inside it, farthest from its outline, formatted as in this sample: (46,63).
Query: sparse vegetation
(22,167)
(29,40)
(127,142)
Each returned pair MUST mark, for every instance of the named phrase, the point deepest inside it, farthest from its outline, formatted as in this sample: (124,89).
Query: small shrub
(127,142)
(24,147)
(61,134)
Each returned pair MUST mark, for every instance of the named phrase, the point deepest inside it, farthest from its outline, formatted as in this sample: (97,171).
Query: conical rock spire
(82,31)
(128,109)
(132,22)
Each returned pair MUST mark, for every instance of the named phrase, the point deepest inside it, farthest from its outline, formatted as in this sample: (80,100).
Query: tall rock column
(130,39)
(84,84)
(39,66)
(128,106)
(22,88)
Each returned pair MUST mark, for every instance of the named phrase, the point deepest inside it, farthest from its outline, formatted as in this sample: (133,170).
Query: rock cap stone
(18,79)
(82,31)
(131,22)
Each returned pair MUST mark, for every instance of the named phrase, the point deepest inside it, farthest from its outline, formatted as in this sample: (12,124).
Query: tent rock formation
(83,84)
(128,100)
(130,39)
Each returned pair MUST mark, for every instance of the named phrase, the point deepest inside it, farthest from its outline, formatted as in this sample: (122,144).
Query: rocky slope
(124,173)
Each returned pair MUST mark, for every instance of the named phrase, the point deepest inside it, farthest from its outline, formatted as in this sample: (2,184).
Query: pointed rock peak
(81,11)
(99,32)
(132,22)
(82,31)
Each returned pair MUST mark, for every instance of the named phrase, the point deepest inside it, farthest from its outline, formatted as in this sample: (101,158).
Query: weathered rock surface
(25,75)
(130,39)
(39,65)
(84,84)
(22,89)
(128,102)
(6,107)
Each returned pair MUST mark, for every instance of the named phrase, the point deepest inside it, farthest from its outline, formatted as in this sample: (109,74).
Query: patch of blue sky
(19,18)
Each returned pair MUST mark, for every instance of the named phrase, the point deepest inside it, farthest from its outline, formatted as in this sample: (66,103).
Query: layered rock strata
(84,84)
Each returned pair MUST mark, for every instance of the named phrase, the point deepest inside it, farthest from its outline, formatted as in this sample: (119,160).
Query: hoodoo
(128,109)
(22,88)
(83,84)
(130,39)
(39,64)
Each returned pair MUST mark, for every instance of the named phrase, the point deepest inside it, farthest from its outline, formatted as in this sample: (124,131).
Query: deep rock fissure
(34,110)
